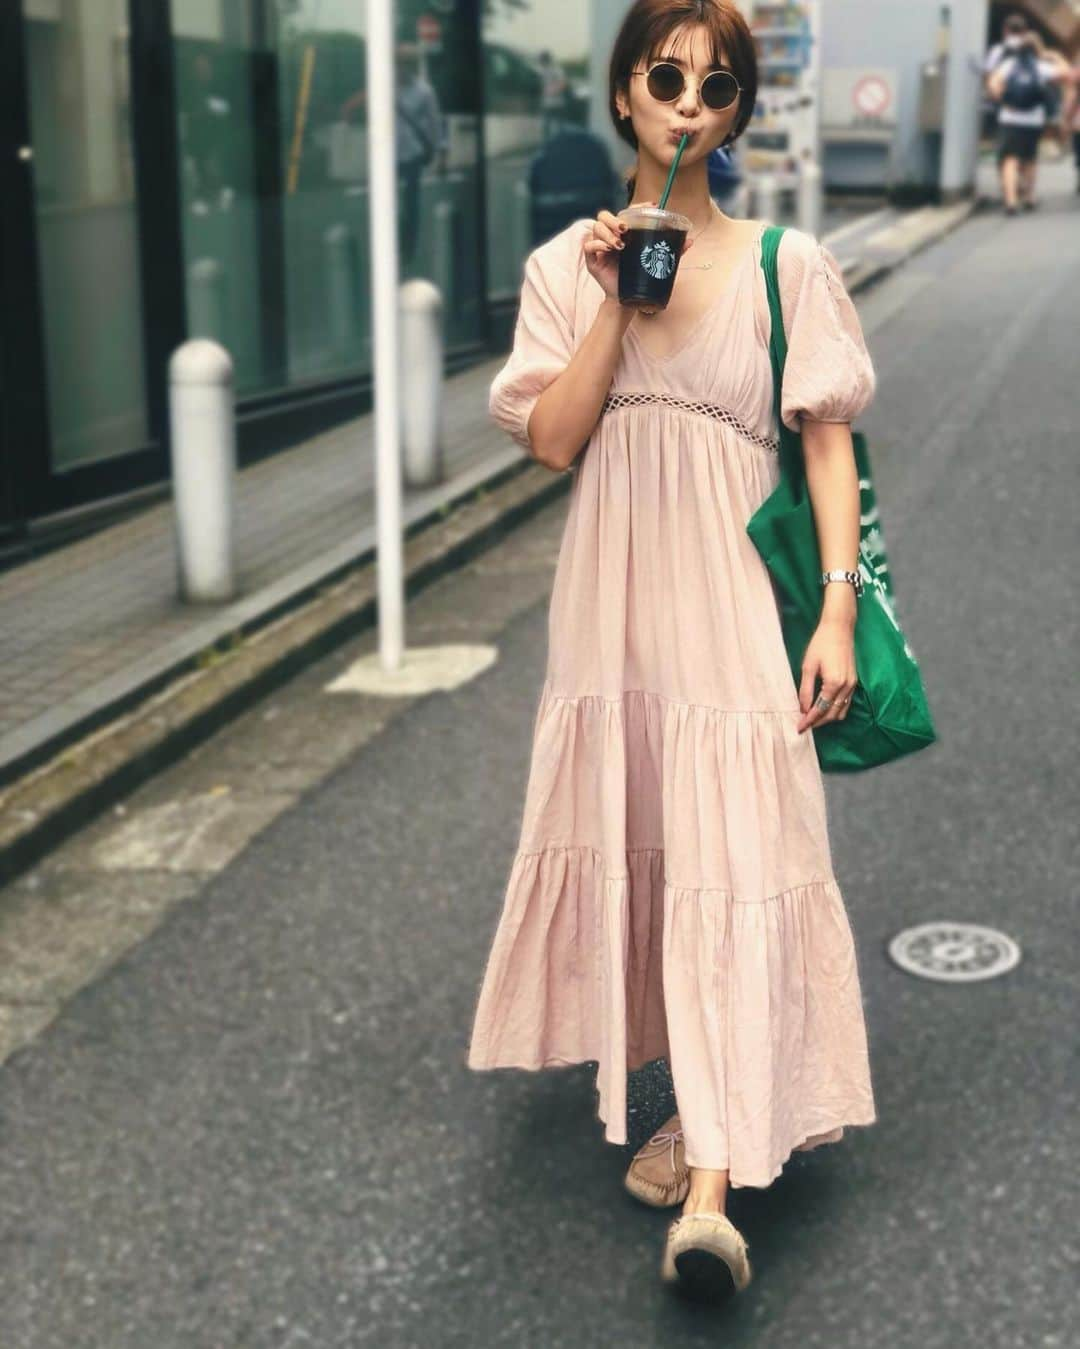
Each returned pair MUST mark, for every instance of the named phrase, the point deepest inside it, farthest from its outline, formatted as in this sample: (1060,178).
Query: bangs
(659,43)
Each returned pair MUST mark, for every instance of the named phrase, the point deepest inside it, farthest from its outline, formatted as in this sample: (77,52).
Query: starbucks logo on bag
(658,260)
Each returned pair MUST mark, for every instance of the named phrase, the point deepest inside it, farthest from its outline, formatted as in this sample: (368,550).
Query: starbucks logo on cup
(658,260)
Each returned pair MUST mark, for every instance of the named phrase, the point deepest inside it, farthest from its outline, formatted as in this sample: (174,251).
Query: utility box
(932,95)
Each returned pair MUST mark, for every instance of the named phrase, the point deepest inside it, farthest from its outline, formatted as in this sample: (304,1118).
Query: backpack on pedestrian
(1025,89)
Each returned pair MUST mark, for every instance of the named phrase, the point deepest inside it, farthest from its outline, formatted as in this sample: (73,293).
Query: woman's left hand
(830,657)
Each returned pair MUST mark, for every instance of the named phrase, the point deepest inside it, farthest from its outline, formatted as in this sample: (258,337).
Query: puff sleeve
(828,375)
(543,334)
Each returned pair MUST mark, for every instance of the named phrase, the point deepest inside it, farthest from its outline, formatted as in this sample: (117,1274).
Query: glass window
(545,168)
(230,284)
(273,131)
(88,245)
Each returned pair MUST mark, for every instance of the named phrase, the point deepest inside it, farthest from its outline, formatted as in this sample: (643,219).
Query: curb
(903,240)
(41,809)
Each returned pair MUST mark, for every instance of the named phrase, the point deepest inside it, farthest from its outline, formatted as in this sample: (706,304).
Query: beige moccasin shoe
(707,1254)
(658,1175)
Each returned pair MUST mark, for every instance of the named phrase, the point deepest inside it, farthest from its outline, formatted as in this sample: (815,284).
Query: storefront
(177,168)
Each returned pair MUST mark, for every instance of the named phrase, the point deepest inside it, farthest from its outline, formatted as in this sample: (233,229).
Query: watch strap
(852,577)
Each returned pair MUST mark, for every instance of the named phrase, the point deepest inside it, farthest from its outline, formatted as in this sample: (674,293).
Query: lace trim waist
(614,401)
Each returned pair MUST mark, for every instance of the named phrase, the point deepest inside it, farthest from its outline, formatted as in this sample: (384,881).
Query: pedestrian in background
(1012,32)
(420,137)
(1020,84)
(673,895)
(571,175)
(1071,116)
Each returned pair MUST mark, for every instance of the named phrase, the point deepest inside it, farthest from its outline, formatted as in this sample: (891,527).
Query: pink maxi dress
(673,893)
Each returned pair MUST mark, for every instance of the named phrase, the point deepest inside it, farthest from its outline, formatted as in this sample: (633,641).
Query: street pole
(382,206)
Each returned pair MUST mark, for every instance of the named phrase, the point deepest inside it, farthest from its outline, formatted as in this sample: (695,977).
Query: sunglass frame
(725,75)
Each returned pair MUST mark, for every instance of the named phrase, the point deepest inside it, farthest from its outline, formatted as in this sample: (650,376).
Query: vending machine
(784,133)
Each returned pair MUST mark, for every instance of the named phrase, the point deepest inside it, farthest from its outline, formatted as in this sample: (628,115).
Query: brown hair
(1014,24)
(647,28)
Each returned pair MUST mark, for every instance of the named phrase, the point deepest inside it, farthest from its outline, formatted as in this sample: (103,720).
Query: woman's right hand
(602,251)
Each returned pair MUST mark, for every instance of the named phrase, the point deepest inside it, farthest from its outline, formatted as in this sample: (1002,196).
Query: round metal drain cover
(954,952)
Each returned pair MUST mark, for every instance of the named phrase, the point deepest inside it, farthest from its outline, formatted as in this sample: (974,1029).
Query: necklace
(703,266)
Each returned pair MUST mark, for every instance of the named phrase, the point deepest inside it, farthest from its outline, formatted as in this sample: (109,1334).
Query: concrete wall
(904,36)
(963,98)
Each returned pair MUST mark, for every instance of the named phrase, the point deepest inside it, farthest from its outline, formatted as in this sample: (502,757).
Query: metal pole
(382,205)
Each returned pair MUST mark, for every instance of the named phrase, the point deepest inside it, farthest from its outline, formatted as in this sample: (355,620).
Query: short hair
(1016,24)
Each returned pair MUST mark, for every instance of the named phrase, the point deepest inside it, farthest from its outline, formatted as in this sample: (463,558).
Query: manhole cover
(954,952)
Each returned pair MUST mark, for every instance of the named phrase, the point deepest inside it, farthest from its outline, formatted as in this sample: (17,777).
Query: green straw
(671,173)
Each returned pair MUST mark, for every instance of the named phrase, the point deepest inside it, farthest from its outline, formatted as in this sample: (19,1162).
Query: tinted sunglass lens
(665,82)
(720,90)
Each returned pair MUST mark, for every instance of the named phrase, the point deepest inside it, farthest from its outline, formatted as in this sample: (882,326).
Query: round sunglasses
(665,82)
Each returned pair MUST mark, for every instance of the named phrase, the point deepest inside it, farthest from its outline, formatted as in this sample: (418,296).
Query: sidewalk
(88,626)
(92,628)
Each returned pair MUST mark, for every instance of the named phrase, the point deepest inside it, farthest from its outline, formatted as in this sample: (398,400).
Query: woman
(673,892)
(1071,116)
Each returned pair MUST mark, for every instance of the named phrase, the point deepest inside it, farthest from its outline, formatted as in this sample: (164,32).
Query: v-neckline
(736,272)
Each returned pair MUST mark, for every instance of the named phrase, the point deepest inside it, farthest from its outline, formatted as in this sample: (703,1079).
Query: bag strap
(791,456)
(420,132)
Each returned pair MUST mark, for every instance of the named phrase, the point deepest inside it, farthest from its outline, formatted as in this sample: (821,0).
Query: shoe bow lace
(665,1138)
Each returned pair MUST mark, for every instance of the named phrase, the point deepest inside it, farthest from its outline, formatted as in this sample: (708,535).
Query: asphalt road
(257,1128)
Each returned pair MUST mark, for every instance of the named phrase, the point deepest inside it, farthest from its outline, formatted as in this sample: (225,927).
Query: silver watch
(854,577)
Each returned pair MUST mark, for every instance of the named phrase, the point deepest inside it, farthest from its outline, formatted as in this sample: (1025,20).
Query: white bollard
(339,260)
(521,225)
(206,298)
(203,447)
(445,265)
(420,311)
(810,195)
(767,198)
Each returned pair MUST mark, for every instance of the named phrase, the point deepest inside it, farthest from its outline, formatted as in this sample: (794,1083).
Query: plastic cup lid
(654,217)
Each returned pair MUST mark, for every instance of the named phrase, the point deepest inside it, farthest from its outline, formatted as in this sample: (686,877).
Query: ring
(822,701)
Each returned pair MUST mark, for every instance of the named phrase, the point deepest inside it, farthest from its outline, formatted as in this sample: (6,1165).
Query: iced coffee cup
(653,245)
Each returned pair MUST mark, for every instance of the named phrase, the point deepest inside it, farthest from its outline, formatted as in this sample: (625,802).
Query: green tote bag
(888,716)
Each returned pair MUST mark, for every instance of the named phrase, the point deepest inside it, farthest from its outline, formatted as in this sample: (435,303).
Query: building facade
(176,168)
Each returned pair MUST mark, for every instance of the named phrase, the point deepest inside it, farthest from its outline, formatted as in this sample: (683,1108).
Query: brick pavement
(78,621)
